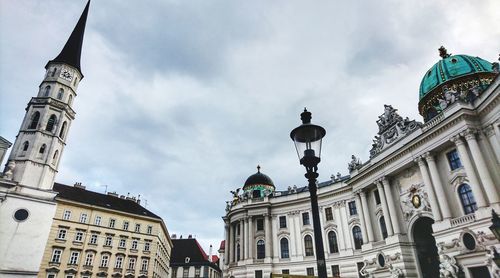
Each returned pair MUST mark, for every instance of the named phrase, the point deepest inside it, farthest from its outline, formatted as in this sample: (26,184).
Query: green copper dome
(453,78)
(452,67)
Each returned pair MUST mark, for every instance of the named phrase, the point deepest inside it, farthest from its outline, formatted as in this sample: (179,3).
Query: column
(361,214)
(366,215)
(385,208)
(489,132)
(242,238)
(298,234)
(340,226)
(274,233)
(226,246)
(251,230)
(267,235)
(291,227)
(391,205)
(482,168)
(469,170)
(231,243)
(438,185)
(247,238)
(345,226)
(430,187)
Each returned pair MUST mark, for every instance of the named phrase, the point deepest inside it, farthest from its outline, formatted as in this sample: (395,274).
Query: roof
(258,179)
(72,50)
(81,195)
(189,247)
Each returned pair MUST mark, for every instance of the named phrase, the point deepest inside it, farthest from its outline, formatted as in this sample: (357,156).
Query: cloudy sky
(182,99)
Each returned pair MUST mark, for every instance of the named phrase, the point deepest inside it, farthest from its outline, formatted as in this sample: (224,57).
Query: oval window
(381,260)
(21,215)
(469,241)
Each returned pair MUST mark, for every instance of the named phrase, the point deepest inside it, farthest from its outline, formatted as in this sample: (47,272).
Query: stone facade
(444,172)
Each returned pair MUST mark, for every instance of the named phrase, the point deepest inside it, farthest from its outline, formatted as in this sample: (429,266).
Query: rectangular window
(134,244)
(310,271)
(112,223)
(73,258)
(123,243)
(79,236)
(104,260)
(360,266)
(285,271)
(125,225)
(144,265)
(67,215)
(328,214)
(335,271)
(150,230)
(147,246)
(89,259)
(282,221)
(185,272)
(51,275)
(377,196)
(97,220)
(454,160)
(93,239)
(305,218)
(260,224)
(137,228)
(109,241)
(352,208)
(197,271)
(258,274)
(131,263)
(56,255)
(174,272)
(62,234)
(83,218)
(119,262)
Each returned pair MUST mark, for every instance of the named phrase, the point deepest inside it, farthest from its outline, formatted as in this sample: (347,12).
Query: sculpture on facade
(396,272)
(448,267)
(354,164)
(9,170)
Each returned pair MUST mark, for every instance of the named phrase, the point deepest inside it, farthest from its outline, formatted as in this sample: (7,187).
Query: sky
(181,100)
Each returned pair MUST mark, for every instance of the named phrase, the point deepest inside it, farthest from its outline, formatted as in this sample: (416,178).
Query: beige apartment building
(104,235)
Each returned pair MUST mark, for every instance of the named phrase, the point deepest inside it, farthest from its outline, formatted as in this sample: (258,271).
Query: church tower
(38,148)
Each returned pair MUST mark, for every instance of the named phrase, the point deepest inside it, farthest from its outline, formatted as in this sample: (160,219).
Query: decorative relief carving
(392,127)
(415,200)
(448,267)
(9,170)
(396,272)
(355,164)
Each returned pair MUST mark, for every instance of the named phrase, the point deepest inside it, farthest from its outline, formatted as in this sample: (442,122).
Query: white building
(419,207)
(27,203)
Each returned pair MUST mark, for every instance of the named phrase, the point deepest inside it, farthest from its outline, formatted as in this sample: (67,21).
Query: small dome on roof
(259,181)
(455,72)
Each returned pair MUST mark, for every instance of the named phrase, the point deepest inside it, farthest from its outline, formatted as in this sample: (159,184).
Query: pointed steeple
(72,50)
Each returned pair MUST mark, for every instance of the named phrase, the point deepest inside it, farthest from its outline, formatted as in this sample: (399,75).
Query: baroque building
(419,207)
(104,235)
(190,260)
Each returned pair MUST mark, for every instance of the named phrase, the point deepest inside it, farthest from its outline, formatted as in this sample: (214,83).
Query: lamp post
(307,138)
(495,229)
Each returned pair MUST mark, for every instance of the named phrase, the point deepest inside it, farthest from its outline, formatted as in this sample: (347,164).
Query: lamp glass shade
(308,139)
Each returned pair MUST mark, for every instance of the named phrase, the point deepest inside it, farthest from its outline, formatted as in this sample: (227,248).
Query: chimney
(79,185)
(210,253)
(139,199)
(114,194)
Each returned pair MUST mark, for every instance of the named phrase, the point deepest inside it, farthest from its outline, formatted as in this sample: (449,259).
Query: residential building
(190,260)
(419,207)
(104,235)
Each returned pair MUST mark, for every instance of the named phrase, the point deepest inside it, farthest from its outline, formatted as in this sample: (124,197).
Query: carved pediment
(391,128)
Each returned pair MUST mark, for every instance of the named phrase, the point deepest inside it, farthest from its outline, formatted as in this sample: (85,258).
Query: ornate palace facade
(419,207)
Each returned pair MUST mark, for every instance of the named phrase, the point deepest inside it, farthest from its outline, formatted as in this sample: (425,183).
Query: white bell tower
(38,148)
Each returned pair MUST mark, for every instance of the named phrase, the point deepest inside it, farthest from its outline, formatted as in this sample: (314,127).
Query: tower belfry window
(34,120)
(25,146)
(51,123)
(63,129)
(70,99)
(60,94)
(53,72)
(47,91)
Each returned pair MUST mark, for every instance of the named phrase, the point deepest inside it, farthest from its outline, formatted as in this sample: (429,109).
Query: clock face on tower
(66,74)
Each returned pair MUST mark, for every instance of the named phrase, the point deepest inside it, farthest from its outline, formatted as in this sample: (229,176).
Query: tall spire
(72,50)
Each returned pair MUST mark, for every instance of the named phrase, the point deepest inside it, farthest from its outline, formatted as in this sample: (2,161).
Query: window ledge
(60,240)
(54,263)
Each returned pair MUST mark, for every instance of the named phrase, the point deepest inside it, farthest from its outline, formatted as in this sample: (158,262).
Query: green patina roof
(450,68)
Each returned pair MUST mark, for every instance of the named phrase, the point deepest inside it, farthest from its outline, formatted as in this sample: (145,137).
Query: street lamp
(307,138)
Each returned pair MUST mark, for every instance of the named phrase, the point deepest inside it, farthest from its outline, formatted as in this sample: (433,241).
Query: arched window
(467,198)
(54,158)
(261,249)
(308,245)
(70,99)
(358,238)
(54,72)
(41,151)
(51,123)
(238,251)
(76,79)
(285,254)
(383,228)
(332,242)
(47,91)
(34,120)
(63,129)
(26,144)
(60,94)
